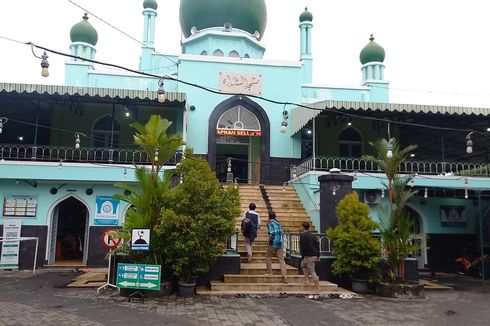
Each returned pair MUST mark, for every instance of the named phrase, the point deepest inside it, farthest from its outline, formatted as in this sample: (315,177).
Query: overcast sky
(437,51)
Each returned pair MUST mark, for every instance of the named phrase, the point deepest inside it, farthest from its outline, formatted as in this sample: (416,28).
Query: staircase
(251,280)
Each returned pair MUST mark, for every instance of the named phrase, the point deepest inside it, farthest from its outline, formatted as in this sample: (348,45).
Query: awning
(88,91)
(301,116)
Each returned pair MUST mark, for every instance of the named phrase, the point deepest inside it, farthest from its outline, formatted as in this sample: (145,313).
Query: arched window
(106,132)
(218,53)
(204,52)
(246,55)
(238,118)
(350,143)
(233,54)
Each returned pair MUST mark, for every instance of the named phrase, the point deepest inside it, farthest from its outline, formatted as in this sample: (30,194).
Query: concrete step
(257,260)
(240,278)
(260,269)
(269,287)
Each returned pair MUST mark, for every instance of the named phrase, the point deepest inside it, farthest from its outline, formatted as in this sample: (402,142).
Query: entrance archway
(239,129)
(418,236)
(68,242)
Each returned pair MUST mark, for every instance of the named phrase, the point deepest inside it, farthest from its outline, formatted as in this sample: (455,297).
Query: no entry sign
(110,241)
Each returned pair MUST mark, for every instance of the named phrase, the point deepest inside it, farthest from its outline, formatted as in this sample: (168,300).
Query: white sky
(437,51)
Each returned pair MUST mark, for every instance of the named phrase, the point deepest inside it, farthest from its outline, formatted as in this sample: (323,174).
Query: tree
(146,197)
(198,219)
(397,228)
(356,251)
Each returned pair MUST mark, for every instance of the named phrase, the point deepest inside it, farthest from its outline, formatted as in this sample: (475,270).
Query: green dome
(84,32)
(372,52)
(306,16)
(248,15)
(150,4)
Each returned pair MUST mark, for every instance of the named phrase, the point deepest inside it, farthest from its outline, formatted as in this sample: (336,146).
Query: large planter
(409,290)
(186,289)
(360,285)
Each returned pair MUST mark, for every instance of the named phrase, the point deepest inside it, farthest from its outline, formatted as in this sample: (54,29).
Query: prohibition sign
(110,241)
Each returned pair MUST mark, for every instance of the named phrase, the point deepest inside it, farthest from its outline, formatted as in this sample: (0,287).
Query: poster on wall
(107,210)
(9,258)
(453,216)
(20,205)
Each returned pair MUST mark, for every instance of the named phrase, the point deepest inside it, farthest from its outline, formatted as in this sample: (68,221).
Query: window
(204,52)
(246,55)
(233,54)
(238,118)
(218,53)
(104,134)
(350,143)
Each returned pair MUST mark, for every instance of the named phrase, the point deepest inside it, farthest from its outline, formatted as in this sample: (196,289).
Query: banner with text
(9,258)
(107,210)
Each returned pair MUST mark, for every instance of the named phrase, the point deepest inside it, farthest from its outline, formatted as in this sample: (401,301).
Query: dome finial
(372,37)
(306,16)
(85,16)
(84,32)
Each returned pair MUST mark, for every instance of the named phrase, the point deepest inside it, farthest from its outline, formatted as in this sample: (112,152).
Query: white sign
(140,239)
(240,82)
(106,212)
(20,205)
(9,259)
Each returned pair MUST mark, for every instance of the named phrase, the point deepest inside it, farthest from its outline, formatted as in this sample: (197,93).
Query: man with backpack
(249,227)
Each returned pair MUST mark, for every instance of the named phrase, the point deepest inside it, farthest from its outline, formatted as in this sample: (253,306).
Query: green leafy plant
(198,221)
(357,252)
(397,228)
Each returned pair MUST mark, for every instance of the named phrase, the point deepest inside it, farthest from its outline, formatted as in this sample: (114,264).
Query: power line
(117,29)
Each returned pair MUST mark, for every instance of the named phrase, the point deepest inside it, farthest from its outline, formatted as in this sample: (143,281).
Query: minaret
(149,14)
(372,57)
(83,40)
(305,26)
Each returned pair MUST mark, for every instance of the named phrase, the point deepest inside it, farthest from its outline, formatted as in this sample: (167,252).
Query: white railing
(291,243)
(349,164)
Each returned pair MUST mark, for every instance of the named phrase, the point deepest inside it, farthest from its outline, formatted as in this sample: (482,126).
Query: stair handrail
(232,244)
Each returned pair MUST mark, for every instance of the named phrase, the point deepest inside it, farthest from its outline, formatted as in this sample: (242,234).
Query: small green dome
(306,16)
(84,32)
(372,52)
(247,15)
(150,4)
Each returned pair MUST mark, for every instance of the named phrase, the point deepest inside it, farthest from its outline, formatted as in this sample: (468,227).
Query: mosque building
(227,102)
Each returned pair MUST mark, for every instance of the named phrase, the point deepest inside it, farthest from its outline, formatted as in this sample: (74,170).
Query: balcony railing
(347,164)
(291,243)
(70,154)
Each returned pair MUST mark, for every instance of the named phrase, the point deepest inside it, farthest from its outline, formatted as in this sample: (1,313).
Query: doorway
(69,233)
(419,237)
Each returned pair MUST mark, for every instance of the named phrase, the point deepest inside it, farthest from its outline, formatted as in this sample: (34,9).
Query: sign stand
(108,284)
(137,295)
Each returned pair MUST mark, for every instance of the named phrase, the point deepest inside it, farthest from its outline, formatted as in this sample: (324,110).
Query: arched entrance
(68,242)
(239,130)
(418,236)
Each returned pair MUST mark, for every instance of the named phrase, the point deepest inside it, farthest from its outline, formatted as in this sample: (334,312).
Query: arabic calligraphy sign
(240,82)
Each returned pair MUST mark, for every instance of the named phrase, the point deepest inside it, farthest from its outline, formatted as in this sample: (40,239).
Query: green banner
(138,276)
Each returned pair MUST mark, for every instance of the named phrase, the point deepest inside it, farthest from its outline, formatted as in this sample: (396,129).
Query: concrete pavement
(42,299)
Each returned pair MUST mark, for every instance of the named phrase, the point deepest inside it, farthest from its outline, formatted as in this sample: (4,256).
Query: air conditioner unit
(372,197)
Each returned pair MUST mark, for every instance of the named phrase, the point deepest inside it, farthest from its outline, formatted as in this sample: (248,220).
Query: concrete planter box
(411,290)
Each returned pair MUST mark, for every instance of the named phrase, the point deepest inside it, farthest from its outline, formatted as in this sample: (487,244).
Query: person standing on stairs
(310,254)
(275,247)
(251,233)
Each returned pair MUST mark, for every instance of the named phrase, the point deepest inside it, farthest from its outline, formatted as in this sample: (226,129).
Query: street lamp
(469,144)
(161,92)
(284,123)
(44,62)
(2,121)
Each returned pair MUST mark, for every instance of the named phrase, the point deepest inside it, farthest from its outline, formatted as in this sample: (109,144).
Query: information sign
(140,239)
(138,276)
(9,258)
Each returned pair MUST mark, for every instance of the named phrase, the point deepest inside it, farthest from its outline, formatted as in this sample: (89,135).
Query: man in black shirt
(310,253)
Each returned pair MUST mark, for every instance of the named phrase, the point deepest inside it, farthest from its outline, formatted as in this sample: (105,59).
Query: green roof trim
(301,116)
(88,91)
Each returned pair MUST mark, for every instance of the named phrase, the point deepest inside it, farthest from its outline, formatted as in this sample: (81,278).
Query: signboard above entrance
(240,82)
(239,132)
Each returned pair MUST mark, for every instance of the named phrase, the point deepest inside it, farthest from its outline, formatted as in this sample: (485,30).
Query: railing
(291,243)
(348,164)
(71,154)
(232,244)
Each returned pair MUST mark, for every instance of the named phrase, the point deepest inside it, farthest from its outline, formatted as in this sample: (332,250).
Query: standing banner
(106,212)
(9,259)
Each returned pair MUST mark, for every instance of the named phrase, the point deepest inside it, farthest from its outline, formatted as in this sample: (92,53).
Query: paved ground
(43,300)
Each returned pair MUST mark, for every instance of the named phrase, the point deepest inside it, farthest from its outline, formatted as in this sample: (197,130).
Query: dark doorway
(70,225)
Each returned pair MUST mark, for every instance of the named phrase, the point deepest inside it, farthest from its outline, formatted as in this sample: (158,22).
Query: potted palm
(397,225)
(356,251)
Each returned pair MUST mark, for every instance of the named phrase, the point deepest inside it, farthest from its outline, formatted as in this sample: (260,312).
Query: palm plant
(396,230)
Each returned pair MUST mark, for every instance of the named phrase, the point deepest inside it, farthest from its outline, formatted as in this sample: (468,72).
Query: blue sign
(107,210)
